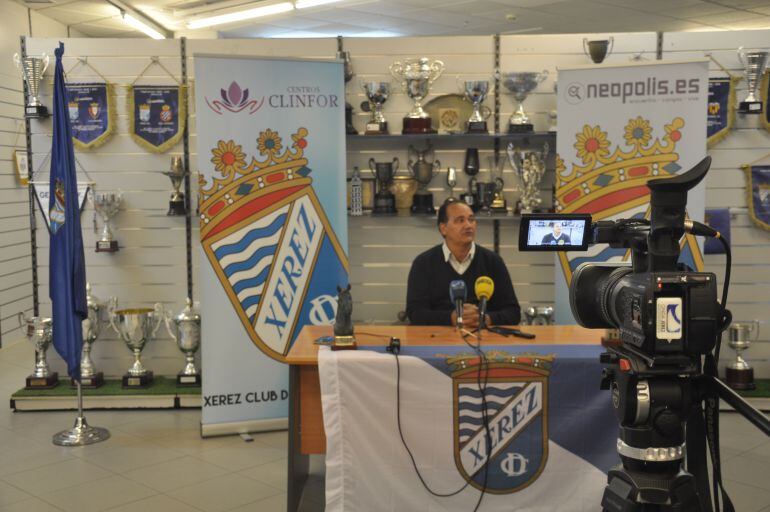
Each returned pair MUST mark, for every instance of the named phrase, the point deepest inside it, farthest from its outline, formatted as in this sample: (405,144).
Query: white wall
(15,259)
(151,264)
(749,294)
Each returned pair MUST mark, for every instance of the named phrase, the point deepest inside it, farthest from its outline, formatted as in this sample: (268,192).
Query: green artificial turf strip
(160,386)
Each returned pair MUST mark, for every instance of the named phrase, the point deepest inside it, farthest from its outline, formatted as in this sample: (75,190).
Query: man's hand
(470,317)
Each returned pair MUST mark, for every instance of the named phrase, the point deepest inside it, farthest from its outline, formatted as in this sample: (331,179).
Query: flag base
(49,382)
(81,434)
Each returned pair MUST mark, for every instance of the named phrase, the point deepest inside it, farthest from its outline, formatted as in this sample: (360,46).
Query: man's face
(556,230)
(460,227)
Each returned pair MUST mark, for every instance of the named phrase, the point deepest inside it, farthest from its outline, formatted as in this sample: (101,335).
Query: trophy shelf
(450,140)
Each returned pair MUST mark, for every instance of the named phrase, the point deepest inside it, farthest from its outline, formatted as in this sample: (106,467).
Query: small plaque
(448,120)
(107,246)
(188,380)
(138,381)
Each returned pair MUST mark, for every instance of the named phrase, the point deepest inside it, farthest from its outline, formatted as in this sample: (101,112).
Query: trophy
(529,167)
(475,91)
(739,375)
(416,77)
(543,315)
(520,84)
(384,200)
(90,378)
(39,331)
(136,327)
(485,193)
(470,197)
(552,121)
(451,180)
(755,62)
(32,69)
(377,93)
(186,331)
(344,339)
(423,171)
(348,75)
(176,174)
(598,49)
(106,205)
(496,166)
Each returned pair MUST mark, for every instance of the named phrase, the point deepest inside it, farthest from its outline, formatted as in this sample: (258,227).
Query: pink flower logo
(235,100)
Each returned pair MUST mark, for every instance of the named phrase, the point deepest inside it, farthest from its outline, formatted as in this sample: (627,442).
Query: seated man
(427,294)
(557,237)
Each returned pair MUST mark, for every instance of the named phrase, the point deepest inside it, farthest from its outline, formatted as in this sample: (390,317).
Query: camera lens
(590,294)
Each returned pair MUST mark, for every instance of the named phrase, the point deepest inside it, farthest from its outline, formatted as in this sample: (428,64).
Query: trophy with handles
(39,331)
(423,171)
(520,84)
(475,91)
(106,204)
(739,374)
(136,327)
(185,330)
(416,77)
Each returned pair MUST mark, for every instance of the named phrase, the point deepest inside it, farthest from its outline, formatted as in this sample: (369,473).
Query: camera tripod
(653,405)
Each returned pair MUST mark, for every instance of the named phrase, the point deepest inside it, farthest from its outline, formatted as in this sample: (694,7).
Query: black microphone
(457,294)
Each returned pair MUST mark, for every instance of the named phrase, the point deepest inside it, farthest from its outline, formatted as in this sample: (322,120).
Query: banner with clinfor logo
(619,127)
(273,227)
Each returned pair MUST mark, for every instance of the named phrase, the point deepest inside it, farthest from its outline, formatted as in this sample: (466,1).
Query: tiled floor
(156,461)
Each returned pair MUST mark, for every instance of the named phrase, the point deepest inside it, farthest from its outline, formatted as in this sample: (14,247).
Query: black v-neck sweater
(427,294)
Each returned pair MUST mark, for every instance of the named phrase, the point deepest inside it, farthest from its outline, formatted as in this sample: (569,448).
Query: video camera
(665,312)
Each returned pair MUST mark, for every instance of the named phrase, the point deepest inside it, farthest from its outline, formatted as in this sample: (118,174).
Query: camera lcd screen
(554,232)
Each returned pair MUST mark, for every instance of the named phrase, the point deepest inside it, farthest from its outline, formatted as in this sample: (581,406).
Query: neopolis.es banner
(620,126)
(273,228)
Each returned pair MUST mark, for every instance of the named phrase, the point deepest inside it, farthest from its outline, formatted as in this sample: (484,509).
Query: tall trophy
(89,377)
(136,327)
(529,167)
(739,375)
(185,329)
(476,91)
(496,166)
(451,180)
(384,200)
(423,172)
(377,94)
(39,331)
(755,62)
(597,50)
(416,77)
(32,69)
(520,84)
(347,67)
(106,205)
(176,174)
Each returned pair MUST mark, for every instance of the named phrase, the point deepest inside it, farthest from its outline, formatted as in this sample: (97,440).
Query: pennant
(719,219)
(721,108)
(43,197)
(91,110)
(157,115)
(758,192)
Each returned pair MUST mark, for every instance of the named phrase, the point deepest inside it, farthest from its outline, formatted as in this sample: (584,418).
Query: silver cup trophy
(520,84)
(136,328)
(106,205)
(89,377)
(185,329)
(451,180)
(739,374)
(416,77)
(423,170)
(754,62)
(39,331)
(543,315)
(597,50)
(377,93)
(475,91)
(32,69)
(384,200)
(529,167)
(176,174)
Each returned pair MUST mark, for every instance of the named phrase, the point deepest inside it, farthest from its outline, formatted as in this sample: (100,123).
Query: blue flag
(67,261)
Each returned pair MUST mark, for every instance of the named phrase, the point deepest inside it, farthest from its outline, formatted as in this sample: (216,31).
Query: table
(306,432)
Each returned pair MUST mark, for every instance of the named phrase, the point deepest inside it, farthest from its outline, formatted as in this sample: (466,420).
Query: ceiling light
(241,15)
(141,27)
(303,4)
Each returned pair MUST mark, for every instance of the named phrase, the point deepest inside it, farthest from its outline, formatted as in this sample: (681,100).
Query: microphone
(484,288)
(457,294)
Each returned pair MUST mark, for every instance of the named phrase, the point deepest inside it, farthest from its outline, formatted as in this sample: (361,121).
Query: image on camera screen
(556,232)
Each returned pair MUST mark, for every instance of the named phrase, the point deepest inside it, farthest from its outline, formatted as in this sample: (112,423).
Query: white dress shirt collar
(459,266)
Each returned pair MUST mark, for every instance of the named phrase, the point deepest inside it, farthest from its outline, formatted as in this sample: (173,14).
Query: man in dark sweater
(427,294)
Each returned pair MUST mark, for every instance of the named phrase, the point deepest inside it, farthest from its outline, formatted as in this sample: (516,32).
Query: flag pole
(81,433)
